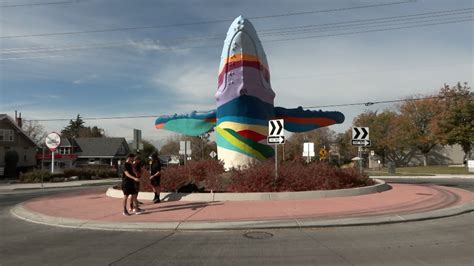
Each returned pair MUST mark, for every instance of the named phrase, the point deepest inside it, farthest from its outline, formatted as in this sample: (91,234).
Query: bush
(86,173)
(295,176)
(35,176)
(202,175)
(259,177)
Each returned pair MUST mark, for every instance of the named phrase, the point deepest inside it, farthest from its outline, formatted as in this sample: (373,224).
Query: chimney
(18,120)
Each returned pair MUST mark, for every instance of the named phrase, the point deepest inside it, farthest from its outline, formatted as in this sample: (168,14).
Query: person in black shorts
(155,176)
(138,170)
(128,183)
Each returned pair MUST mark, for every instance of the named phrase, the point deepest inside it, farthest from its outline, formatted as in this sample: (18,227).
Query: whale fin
(190,124)
(300,120)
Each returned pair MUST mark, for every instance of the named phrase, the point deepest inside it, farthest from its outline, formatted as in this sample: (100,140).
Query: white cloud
(189,79)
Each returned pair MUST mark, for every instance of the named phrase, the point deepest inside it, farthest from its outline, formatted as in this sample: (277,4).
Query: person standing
(137,169)
(128,183)
(155,176)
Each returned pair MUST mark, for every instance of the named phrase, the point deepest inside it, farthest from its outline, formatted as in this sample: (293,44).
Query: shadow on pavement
(176,207)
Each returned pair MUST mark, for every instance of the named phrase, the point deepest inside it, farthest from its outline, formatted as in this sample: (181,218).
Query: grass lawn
(422,170)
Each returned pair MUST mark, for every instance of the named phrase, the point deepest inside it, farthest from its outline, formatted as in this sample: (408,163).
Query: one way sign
(360,136)
(276,135)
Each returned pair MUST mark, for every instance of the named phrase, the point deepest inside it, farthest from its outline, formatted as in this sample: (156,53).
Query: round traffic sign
(53,140)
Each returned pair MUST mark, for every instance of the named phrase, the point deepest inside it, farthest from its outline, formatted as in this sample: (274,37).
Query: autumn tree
(201,146)
(171,146)
(346,150)
(383,136)
(418,124)
(321,137)
(456,125)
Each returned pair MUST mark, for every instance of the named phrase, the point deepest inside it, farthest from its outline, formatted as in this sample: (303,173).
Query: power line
(463,19)
(44,3)
(307,107)
(364,26)
(381,102)
(368,31)
(206,22)
(377,22)
(412,16)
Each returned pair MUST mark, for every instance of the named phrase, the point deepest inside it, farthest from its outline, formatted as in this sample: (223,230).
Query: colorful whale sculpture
(245,104)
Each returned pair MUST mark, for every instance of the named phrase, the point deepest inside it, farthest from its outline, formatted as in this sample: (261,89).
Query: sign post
(308,151)
(52,142)
(276,135)
(185,150)
(137,140)
(360,138)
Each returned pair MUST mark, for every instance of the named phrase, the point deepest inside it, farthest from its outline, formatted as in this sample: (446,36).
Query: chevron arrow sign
(276,134)
(360,136)
(275,128)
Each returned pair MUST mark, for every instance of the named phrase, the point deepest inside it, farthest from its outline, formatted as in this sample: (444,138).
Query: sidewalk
(17,186)
(92,209)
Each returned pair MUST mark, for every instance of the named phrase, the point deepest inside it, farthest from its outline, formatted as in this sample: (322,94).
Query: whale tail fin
(190,124)
(300,120)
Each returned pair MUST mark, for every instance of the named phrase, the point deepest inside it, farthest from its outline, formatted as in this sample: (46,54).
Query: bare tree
(35,131)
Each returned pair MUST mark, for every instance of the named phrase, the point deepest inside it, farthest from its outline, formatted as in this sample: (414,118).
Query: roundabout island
(93,209)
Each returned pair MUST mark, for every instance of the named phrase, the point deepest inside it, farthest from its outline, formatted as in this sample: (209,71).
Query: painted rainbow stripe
(232,140)
(243,60)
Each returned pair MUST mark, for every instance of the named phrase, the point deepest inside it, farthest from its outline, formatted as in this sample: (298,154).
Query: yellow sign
(323,153)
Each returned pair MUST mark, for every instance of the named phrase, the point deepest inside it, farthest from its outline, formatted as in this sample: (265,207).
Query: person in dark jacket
(128,184)
(155,176)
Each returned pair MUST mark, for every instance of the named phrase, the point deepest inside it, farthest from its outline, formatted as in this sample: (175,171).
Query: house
(13,138)
(77,152)
(101,150)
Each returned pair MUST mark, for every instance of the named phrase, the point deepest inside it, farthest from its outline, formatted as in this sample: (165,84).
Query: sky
(119,58)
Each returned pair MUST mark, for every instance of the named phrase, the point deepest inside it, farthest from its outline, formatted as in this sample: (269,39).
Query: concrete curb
(76,184)
(21,212)
(209,197)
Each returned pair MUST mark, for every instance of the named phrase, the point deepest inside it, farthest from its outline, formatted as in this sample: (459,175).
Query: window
(6,135)
(63,150)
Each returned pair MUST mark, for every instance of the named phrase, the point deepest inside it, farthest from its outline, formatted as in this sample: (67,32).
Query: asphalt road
(464,183)
(447,241)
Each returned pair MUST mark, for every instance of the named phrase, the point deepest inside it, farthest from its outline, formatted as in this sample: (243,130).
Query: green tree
(148,150)
(72,130)
(457,123)
(77,129)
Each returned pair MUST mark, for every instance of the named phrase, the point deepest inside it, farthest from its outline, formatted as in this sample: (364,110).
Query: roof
(19,129)
(65,142)
(102,147)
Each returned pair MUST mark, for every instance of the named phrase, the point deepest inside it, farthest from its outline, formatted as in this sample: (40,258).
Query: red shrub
(295,176)
(259,177)
(204,174)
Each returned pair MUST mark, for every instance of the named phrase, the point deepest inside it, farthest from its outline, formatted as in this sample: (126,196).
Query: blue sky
(154,72)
